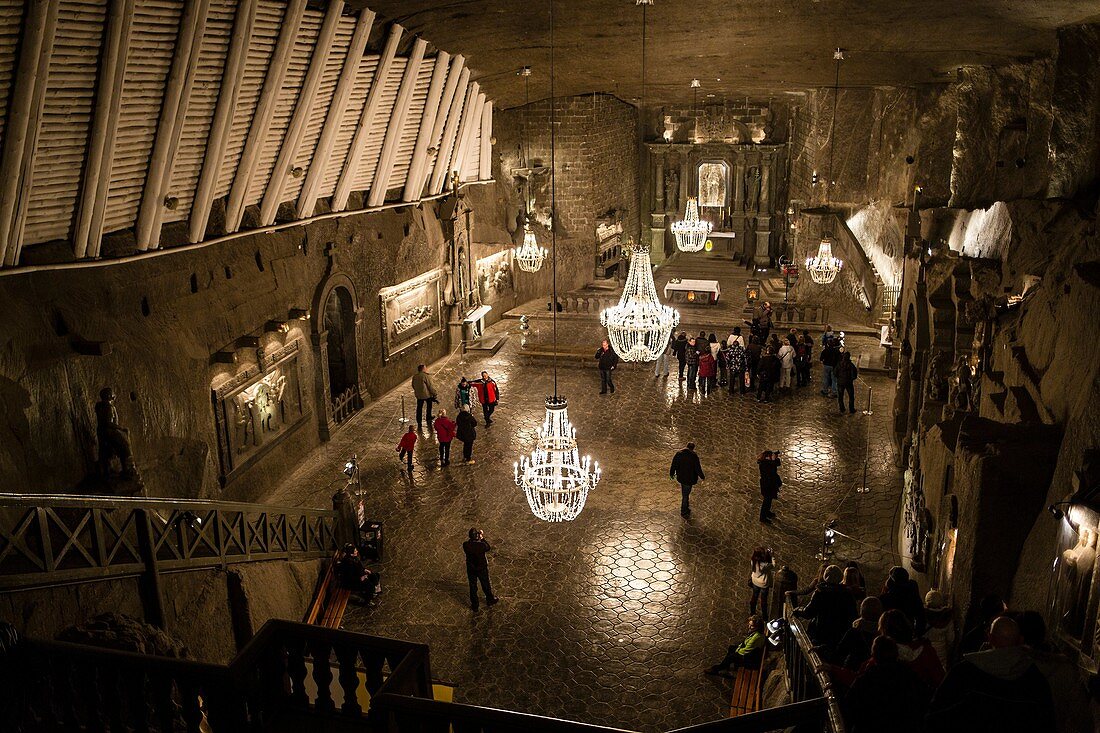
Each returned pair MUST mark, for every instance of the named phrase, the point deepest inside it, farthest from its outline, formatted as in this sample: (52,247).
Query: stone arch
(336,334)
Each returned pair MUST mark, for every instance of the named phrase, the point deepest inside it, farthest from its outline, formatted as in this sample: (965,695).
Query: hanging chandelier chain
(839,56)
(553,203)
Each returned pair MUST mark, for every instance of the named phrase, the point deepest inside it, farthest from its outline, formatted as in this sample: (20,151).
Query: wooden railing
(282,680)
(807,675)
(48,540)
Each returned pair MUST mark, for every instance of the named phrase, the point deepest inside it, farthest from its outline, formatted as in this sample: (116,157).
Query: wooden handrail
(801,657)
(485,718)
(81,501)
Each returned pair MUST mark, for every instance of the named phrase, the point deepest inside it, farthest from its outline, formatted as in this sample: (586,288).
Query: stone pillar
(321,385)
(659,192)
(737,207)
(657,238)
(739,186)
(762,256)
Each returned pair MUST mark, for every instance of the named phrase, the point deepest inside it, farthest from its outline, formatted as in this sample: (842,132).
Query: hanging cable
(839,56)
(553,205)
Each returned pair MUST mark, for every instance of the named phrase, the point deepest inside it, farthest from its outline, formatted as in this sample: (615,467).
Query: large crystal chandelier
(691,231)
(529,255)
(639,326)
(824,268)
(554,478)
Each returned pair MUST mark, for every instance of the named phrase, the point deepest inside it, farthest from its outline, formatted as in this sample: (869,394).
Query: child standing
(405,447)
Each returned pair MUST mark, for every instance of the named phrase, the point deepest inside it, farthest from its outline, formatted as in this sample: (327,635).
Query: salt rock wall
(149,328)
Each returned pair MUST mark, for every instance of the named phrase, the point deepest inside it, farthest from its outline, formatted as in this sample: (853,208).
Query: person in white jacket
(786,369)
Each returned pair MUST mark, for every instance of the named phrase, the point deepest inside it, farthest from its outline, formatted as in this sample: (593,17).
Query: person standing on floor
(753,352)
(686,469)
(608,360)
(692,357)
(786,364)
(804,358)
(769,483)
(845,374)
(477,567)
(830,355)
(660,368)
(444,433)
(765,325)
(735,337)
(760,579)
(466,431)
(708,373)
(425,395)
(736,363)
(405,447)
(767,374)
(679,348)
(488,394)
(465,394)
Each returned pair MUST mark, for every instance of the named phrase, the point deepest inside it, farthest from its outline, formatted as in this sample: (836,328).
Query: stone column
(762,256)
(659,192)
(737,206)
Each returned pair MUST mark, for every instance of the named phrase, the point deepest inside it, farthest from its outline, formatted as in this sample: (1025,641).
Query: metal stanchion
(863,488)
(402,419)
(868,411)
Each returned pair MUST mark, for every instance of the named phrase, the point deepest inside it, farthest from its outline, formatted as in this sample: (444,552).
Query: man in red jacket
(487,394)
(405,447)
(445,433)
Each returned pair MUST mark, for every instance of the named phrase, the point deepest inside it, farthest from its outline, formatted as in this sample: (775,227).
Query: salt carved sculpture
(113,439)
(1078,564)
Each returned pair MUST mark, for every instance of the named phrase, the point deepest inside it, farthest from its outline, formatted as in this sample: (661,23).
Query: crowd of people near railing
(753,360)
(899,665)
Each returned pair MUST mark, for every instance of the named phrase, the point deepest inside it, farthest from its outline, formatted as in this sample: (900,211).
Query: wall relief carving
(411,312)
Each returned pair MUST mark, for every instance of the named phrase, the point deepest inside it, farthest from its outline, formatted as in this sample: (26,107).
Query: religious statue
(752,189)
(961,386)
(672,189)
(1077,565)
(937,377)
(712,185)
(113,439)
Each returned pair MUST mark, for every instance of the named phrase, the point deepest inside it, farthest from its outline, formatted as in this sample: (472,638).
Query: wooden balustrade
(74,686)
(807,674)
(53,539)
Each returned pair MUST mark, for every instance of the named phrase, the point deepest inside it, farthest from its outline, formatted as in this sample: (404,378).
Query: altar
(693,291)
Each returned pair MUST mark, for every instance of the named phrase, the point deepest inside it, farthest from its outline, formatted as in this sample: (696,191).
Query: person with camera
(769,483)
(425,395)
(477,567)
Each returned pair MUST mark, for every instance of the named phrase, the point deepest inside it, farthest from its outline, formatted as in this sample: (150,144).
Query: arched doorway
(335,343)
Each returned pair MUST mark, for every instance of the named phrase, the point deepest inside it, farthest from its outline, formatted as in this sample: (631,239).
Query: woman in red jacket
(708,372)
(445,432)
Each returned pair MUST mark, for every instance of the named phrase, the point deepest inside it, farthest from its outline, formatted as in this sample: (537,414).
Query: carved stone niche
(336,334)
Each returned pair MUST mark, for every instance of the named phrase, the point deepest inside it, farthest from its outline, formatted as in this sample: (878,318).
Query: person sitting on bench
(748,654)
(353,576)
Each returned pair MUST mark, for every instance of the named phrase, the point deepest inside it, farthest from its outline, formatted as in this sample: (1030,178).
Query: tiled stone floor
(609,619)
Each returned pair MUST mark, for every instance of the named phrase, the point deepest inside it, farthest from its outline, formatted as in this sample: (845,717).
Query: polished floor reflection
(609,619)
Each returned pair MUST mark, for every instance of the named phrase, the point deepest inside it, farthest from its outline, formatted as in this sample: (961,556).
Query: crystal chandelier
(555,479)
(529,255)
(639,326)
(691,231)
(824,268)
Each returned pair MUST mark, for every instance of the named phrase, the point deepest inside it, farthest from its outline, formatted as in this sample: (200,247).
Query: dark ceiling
(761,48)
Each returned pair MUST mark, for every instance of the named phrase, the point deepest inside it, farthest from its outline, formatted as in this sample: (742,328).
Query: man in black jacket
(353,575)
(688,471)
(467,433)
(844,376)
(608,360)
(477,567)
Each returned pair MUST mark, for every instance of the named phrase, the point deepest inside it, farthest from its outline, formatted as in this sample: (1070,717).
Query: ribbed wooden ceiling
(137,114)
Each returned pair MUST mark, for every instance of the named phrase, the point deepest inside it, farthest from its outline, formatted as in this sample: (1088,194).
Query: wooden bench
(746,689)
(331,600)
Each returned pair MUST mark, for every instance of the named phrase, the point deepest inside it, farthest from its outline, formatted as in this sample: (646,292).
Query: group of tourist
(899,665)
(469,392)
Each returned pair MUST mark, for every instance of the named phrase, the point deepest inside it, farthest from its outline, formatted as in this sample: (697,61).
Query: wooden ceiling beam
(173,115)
(471,120)
(222,123)
(265,111)
(486,170)
(269,206)
(96,182)
(396,127)
(427,124)
(454,75)
(24,122)
(446,144)
(318,167)
(366,120)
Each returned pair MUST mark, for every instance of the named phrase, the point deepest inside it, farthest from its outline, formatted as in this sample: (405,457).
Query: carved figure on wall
(918,521)
(961,385)
(752,189)
(938,376)
(1077,566)
(712,184)
(113,439)
(672,189)
(462,269)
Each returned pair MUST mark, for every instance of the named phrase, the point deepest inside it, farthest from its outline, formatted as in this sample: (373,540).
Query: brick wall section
(597,170)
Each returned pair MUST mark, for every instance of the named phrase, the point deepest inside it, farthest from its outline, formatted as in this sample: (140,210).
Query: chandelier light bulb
(824,268)
(554,478)
(529,255)
(639,326)
(691,232)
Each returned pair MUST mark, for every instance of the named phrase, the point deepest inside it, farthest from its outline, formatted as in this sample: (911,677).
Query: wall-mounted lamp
(299,313)
(1056,511)
(247,342)
(276,326)
(224,357)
